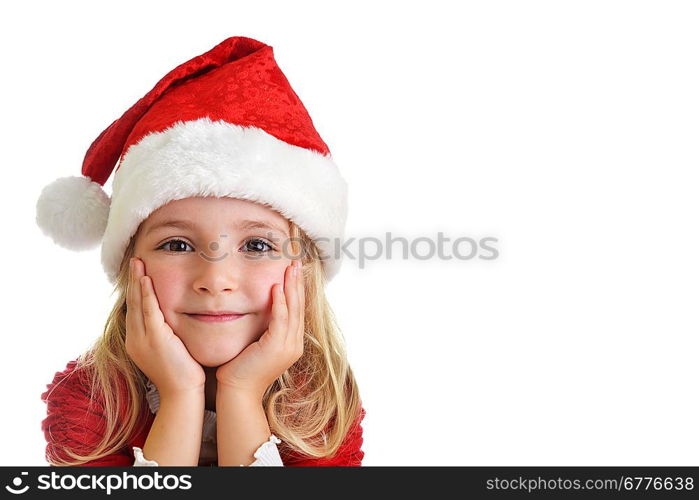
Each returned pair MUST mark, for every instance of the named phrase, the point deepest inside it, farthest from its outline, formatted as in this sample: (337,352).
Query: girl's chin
(215,348)
(214,355)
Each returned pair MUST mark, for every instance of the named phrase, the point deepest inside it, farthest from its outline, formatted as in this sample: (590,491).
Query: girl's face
(214,254)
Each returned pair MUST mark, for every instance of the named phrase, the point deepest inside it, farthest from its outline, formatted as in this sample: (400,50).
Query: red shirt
(75,420)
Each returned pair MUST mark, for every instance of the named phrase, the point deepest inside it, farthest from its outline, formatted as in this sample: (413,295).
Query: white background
(567,130)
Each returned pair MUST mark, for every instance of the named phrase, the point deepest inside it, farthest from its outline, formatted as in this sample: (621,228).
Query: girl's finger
(302,304)
(279,311)
(137,326)
(292,301)
(152,315)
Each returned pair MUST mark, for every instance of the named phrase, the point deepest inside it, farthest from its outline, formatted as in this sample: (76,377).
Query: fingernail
(294,270)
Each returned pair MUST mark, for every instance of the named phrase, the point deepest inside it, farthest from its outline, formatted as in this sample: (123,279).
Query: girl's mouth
(216,318)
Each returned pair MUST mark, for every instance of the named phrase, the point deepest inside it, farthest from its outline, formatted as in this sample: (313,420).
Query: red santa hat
(227,124)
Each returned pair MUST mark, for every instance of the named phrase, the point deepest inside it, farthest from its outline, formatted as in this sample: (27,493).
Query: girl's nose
(216,277)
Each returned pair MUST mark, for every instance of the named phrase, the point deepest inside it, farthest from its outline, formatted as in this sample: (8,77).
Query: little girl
(221,348)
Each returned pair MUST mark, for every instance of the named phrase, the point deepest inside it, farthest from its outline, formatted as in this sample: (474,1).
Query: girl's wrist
(183,393)
(233,392)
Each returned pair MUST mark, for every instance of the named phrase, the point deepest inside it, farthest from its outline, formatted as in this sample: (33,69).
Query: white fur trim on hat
(207,158)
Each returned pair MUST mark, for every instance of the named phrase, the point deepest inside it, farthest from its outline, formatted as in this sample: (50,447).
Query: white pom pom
(73,211)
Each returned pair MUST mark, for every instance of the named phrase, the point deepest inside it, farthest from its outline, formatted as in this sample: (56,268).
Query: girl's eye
(169,245)
(254,245)
(257,245)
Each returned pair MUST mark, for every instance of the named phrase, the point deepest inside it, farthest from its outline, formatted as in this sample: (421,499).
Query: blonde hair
(311,407)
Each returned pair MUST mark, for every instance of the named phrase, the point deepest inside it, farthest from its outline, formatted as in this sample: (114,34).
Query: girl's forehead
(203,210)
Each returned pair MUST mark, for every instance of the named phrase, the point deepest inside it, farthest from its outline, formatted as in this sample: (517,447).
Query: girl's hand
(151,343)
(262,362)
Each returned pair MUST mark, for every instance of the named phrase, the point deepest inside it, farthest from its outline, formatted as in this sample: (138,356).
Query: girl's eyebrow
(190,226)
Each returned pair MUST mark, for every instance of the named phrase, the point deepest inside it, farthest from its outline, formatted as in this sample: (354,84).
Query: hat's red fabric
(237,81)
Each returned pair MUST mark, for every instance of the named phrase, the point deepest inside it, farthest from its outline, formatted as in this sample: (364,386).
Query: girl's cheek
(262,280)
(167,283)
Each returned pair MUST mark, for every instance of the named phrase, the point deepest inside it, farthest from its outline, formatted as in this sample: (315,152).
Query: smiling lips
(216,313)
(216,316)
